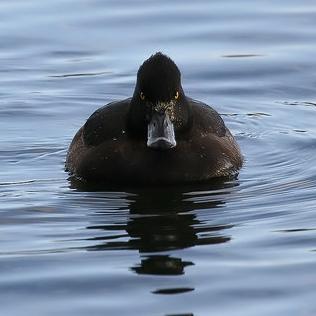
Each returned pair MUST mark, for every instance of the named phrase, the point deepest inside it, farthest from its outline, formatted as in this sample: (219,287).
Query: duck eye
(177,95)
(142,96)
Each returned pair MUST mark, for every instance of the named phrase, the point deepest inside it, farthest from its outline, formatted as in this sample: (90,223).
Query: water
(244,247)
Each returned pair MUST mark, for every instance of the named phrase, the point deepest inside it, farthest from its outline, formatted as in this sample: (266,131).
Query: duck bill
(161,132)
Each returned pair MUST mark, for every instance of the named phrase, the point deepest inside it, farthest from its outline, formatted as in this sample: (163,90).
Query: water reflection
(163,219)
(161,265)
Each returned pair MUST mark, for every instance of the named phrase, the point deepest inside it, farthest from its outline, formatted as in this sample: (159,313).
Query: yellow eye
(177,95)
(142,96)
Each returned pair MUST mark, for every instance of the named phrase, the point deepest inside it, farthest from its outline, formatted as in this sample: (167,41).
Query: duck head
(159,110)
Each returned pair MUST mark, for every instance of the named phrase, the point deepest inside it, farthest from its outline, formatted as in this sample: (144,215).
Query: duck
(158,136)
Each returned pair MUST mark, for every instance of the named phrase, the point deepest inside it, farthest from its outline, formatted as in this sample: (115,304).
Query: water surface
(238,247)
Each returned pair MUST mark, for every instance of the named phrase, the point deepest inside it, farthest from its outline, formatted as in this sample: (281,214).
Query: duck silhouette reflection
(161,220)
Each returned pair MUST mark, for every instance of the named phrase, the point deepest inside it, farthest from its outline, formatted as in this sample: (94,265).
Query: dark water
(245,247)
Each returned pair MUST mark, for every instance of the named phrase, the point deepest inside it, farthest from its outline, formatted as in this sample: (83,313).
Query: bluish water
(245,247)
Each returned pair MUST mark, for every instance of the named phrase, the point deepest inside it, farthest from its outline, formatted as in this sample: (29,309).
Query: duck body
(121,143)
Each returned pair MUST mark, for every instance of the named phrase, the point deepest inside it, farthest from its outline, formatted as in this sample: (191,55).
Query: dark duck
(158,136)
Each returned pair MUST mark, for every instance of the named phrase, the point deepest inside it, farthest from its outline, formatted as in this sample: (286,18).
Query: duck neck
(136,119)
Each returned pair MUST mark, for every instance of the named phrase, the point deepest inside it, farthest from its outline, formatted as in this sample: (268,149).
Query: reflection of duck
(168,223)
(161,265)
(157,136)
(163,220)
